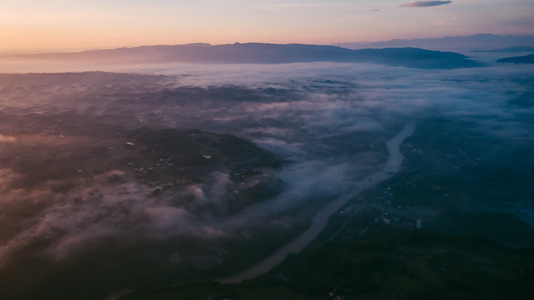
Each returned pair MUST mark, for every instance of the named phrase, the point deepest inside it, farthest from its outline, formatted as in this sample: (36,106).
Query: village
(386,213)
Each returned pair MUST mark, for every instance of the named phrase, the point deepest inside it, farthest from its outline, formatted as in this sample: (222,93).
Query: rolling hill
(527,59)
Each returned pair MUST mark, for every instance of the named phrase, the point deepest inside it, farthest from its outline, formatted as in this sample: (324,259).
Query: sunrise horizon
(30,26)
(73,49)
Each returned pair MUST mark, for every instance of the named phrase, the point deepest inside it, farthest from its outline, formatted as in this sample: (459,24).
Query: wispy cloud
(425,3)
(4,138)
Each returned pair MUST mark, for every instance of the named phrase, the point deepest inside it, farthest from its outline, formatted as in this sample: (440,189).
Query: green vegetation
(386,262)
(457,182)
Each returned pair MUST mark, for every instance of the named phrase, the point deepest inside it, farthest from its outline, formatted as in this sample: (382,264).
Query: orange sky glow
(58,25)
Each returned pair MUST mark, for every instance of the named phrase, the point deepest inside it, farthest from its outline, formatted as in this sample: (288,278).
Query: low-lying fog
(327,122)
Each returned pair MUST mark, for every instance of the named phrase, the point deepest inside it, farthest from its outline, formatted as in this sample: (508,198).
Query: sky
(65,25)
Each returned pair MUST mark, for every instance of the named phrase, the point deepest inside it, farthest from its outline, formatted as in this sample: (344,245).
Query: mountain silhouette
(507,50)
(451,43)
(527,59)
(257,53)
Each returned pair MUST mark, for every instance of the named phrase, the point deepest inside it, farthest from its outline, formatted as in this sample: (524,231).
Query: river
(321,219)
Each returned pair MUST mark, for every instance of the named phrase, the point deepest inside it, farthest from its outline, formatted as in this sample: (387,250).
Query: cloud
(4,138)
(425,3)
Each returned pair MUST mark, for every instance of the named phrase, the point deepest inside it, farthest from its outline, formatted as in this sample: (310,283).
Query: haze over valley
(172,173)
(193,150)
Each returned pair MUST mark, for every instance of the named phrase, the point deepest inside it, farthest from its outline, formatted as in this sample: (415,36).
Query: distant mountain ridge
(453,43)
(507,50)
(258,53)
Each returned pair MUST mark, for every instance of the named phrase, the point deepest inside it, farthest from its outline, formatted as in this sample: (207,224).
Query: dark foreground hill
(256,53)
